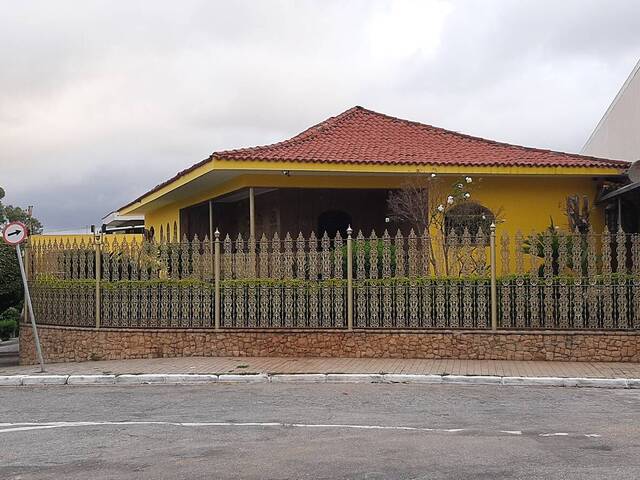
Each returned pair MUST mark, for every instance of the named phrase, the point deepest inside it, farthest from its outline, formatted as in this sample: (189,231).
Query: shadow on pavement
(9,352)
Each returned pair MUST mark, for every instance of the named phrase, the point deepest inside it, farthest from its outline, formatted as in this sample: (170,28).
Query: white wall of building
(617,136)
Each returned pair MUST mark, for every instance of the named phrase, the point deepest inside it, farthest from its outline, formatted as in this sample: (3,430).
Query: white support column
(211,221)
(619,212)
(211,239)
(252,214)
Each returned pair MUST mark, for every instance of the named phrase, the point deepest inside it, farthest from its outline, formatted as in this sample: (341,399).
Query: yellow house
(340,172)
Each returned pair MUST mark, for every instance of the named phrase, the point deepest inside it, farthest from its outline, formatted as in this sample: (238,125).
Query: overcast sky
(101,100)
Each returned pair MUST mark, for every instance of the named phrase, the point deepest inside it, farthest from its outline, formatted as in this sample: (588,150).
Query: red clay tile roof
(363,136)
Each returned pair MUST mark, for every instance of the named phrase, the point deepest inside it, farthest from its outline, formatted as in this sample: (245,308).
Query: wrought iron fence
(573,281)
(550,280)
(283,282)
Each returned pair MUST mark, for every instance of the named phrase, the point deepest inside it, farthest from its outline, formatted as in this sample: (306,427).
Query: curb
(388,378)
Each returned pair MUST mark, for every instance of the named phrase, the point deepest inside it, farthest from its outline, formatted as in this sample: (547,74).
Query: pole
(216,276)
(36,339)
(98,263)
(27,271)
(494,288)
(349,279)
(619,213)
(211,240)
(252,213)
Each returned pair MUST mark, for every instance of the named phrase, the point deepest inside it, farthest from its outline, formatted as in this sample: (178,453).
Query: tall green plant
(534,245)
(11,292)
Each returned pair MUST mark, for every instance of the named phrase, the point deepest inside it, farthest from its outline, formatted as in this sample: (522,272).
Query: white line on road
(27,426)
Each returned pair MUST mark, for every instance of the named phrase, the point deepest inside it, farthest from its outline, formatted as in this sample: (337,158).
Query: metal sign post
(14,234)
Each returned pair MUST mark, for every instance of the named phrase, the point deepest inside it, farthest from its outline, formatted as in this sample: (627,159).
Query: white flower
(441,208)
(433,175)
(459,185)
(467,195)
(450,200)
(468,179)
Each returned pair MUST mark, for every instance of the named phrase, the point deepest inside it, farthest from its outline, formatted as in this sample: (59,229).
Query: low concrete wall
(65,344)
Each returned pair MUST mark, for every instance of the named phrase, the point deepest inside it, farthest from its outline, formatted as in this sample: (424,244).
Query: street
(354,431)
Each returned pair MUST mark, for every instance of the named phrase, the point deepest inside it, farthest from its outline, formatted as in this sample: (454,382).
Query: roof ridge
(332,122)
(487,140)
(423,144)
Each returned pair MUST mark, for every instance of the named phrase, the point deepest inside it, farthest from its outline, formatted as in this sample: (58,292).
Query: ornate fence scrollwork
(550,280)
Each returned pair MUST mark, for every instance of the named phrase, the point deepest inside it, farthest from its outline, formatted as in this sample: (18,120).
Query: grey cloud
(101,100)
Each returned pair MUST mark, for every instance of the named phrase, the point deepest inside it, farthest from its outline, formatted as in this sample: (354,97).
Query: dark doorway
(194,221)
(333,221)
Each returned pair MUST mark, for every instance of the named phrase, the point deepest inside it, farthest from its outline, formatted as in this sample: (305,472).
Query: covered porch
(254,211)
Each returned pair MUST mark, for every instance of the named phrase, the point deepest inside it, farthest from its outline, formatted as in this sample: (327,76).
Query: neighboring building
(617,135)
(340,172)
(116,223)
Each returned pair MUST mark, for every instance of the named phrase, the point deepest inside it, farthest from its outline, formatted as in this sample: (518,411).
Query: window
(469,215)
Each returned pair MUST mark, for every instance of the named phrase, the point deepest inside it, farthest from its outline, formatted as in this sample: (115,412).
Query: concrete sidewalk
(290,365)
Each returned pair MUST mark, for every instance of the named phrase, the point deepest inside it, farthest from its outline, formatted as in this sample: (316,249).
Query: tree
(577,211)
(17,214)
(431,205)
(11,291)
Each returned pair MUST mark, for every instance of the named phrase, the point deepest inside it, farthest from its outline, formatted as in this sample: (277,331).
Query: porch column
(211,221)
(619,212)
(252,214)
(211,239)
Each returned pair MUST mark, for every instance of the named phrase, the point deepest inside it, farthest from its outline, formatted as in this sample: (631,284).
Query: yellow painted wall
(166,217)
(527,202)
(360,169)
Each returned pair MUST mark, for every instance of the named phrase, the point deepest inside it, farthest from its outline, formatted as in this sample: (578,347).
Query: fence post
(494,288)
(349,279)
(216,279)
(98,271)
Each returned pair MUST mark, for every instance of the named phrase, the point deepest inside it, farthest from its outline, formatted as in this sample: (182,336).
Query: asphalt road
(319,431)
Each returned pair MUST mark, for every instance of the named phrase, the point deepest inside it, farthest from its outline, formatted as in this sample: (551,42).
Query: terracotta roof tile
(363,136)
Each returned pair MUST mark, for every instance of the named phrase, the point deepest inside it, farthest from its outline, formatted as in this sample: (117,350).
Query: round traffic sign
(14,233)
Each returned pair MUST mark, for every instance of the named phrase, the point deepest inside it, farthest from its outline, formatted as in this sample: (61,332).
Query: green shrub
(11,313)
(10,279)
(367,256)
(7,329)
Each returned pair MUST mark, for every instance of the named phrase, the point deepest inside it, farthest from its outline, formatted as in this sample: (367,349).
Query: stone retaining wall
(66,344)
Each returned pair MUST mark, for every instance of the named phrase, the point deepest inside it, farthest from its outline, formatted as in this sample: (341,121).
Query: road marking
(28,426)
